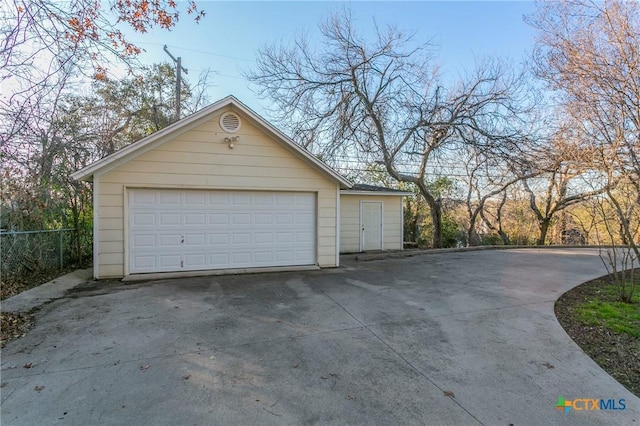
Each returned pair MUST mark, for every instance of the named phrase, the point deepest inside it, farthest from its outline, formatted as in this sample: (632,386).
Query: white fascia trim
(401,224)
(390,193)
(338,213)
(96,229)
(360,231)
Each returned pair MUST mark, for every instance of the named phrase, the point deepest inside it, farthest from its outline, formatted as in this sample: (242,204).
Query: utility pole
(179,69)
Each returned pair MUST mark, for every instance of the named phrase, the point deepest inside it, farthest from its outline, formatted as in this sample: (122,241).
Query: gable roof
(187,123)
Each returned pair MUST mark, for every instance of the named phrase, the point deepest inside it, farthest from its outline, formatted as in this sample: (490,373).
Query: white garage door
(188,230)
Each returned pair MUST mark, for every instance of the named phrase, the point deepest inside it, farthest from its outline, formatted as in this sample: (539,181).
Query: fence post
(61,250)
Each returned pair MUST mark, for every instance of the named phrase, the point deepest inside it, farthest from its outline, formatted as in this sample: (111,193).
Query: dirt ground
(13,326)
(617,353)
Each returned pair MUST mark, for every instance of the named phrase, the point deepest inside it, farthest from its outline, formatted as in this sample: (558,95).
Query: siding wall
(350,221)
(200,159)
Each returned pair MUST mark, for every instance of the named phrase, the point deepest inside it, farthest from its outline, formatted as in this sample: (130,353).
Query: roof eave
(387,193)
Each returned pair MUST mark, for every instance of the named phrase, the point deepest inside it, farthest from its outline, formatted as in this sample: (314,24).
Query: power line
(196,51)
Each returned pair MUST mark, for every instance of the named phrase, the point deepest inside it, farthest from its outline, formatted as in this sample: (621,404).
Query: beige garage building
(222,189)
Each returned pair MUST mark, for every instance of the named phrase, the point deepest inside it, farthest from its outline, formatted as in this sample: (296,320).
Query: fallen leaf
(39,388)
(144,367)
(546,364)
(449,393)
(28,365)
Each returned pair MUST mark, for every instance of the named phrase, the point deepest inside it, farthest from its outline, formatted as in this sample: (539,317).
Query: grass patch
(604,309)
(607,329)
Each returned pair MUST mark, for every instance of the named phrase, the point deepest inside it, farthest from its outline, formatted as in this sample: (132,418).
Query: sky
(228,39)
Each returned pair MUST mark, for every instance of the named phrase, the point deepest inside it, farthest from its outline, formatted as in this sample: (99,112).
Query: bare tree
(487,179)
(50,45)
(383,102)
(567,177)
(588,53)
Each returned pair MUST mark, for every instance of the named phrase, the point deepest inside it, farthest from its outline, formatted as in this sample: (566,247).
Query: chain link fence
(23,253)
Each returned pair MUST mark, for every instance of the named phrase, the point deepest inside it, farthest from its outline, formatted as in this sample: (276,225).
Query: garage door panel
(241,258)
(144,219)
(142,241)
(145,261)
(263,200)
(262,219)
(218,239)
(168,219)
(195,260)
(304,218)
(176,230)
(303,255)
(218,218)
(284,219)
(263,257)
(195,219)
(169,240)
(219,199)
(169,262)
(284,237)
(141,198)
(219,259)
(170,198)
(285,200)
(241,219)
(263,238)
(195,199)
(241,199)
(199,240)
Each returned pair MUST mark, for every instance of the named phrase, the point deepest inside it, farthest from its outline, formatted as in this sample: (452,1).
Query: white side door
(371,225)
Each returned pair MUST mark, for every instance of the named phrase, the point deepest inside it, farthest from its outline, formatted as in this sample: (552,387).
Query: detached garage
(223,189)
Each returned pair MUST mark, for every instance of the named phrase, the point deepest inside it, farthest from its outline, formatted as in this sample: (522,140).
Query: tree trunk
(505,237)
(435,209)
(544,228)
(472,235)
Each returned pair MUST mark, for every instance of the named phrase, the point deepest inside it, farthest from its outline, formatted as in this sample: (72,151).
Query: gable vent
(230,122)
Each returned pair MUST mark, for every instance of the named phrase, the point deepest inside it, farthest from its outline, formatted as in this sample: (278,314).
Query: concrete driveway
(377,342)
